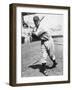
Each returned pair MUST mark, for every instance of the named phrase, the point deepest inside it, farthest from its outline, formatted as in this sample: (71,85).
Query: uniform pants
(47,48)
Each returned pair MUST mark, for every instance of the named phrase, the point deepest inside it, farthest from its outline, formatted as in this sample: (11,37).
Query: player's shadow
(40,67)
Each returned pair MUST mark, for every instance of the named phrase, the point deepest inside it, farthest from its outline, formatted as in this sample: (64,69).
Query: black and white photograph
(41,44)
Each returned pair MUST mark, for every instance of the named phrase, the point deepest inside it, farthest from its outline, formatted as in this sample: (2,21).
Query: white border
(63,77)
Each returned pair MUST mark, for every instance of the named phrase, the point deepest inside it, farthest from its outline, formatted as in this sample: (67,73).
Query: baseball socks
(54,63)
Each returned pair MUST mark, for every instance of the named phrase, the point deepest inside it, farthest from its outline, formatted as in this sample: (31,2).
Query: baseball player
(47,46)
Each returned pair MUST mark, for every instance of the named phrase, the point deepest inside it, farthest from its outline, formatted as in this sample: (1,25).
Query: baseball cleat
(45,73)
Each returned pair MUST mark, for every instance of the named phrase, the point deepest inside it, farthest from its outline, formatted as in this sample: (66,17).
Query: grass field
(31,55)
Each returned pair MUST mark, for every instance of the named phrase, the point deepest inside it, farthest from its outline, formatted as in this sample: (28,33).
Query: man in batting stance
(47,46)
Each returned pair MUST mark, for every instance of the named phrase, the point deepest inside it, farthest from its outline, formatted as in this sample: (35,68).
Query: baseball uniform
(47,44)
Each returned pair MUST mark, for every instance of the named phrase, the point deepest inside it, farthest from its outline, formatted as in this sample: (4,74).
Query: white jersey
(43,30)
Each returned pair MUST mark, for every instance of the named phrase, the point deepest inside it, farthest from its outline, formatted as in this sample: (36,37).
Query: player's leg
(44,54)
(43,60)
(50,50)
(52,57)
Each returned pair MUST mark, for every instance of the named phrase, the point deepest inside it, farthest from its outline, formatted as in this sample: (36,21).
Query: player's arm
(39,32)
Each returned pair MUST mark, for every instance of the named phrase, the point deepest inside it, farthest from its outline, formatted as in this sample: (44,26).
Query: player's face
(36,23)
